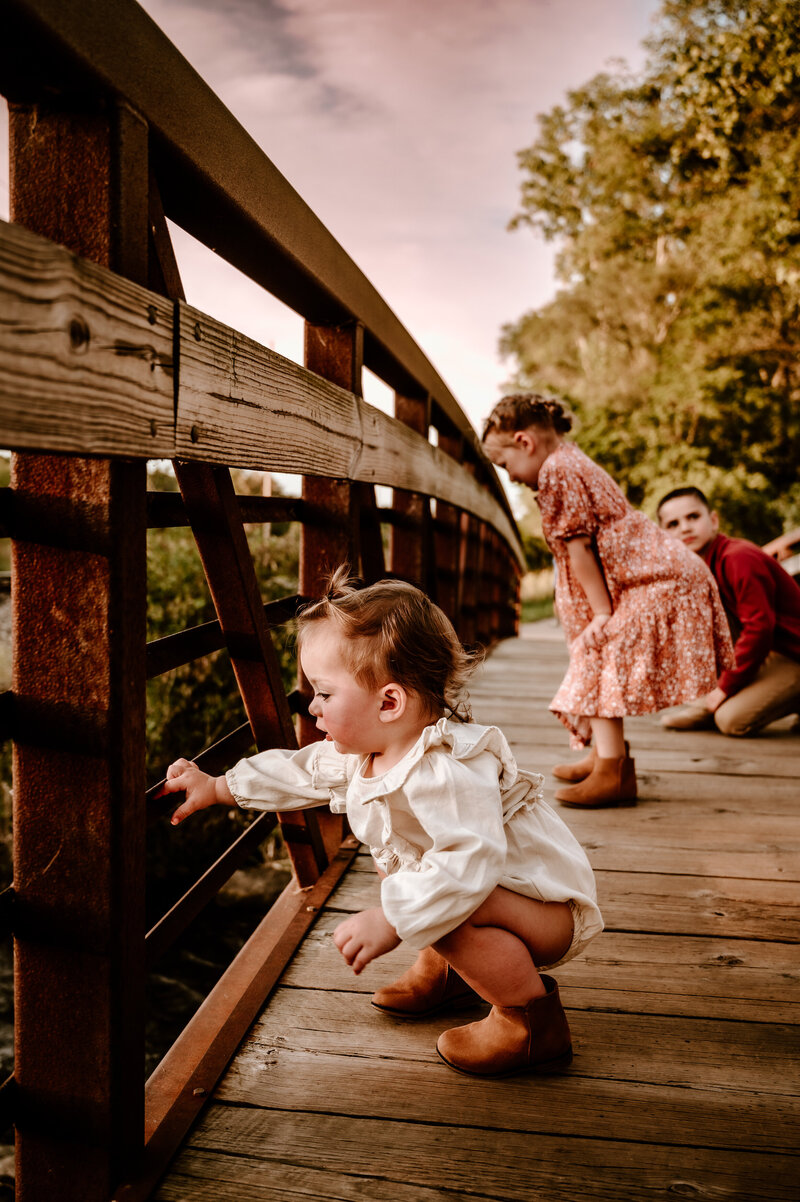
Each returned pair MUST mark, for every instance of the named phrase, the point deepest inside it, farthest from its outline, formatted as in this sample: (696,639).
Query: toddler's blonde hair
(393,632)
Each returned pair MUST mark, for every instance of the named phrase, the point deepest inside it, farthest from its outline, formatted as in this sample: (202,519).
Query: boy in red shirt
(762,602)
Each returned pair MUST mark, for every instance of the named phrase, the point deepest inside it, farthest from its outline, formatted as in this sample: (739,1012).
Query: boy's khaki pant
(773,694)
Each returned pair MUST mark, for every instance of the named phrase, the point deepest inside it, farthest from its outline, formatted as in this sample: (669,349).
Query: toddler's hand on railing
(201,789)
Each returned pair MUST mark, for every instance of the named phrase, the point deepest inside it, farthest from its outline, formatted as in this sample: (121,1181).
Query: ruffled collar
(463,740)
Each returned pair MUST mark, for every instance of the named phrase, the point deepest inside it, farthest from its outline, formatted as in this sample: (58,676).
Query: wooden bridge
(682,1011)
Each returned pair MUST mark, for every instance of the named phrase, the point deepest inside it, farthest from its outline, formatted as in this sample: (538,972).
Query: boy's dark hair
(688,491)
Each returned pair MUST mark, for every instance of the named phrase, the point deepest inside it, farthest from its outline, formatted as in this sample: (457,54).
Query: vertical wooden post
(80,177)
(337,353)
(410,550)
(448,531)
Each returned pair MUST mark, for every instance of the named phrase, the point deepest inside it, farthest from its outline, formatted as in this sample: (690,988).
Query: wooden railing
(104,367)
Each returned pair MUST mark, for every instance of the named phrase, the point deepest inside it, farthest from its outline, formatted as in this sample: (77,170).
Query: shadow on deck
(684,1011)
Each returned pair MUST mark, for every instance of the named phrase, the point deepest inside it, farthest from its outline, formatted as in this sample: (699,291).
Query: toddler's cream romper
(453,819)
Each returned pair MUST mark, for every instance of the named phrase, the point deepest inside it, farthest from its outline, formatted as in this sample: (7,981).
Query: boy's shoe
(429,985)
(611,783)
(512,1039)
(691,717)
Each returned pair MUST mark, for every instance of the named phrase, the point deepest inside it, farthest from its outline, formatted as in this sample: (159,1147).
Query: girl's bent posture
(478,873)
(644,622)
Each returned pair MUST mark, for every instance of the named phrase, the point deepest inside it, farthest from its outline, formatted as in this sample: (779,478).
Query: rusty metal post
(79,176)
(410,551)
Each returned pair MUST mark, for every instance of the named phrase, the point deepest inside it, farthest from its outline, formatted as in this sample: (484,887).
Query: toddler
(479,875)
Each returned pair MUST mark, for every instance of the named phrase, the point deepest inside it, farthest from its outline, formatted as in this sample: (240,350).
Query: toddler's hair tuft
(394,632)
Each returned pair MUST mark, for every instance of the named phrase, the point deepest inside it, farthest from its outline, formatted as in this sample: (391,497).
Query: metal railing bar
(161,936)
(217,757)
(175,650)
(182,1083)
(166,509)
(213,759)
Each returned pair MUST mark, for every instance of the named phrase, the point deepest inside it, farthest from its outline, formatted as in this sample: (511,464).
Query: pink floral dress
(667,640)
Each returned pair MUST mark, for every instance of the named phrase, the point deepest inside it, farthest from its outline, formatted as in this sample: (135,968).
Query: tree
(675,202)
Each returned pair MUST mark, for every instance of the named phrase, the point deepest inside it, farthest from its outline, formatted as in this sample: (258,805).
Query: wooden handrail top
(96,365)
(215,181)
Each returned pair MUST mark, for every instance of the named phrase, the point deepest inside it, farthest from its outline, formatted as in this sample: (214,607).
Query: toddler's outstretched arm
(201,789)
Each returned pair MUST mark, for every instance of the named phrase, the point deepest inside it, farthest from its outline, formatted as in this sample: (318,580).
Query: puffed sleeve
(281,779)
(458,805)
(565,499)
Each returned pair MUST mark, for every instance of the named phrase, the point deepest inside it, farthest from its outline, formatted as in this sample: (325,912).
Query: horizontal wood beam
(215,180)
(91,364)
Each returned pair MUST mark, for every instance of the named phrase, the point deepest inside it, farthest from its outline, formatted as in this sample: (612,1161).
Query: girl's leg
(609,737)
(498,948)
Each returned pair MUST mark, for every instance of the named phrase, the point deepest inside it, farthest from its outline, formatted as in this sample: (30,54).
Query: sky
(399,122)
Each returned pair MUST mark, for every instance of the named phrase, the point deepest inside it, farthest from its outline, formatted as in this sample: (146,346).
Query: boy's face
(346,711)
(688,519)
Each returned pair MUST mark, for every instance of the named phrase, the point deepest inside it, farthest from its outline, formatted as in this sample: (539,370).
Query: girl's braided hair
(393,632)
(520,410)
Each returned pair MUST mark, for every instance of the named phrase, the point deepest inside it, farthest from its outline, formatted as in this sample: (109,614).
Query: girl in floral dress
(642,615)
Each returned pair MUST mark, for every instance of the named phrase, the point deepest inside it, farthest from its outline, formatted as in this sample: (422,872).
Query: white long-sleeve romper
(450,821)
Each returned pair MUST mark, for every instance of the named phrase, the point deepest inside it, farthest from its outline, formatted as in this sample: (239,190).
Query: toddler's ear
(394,700)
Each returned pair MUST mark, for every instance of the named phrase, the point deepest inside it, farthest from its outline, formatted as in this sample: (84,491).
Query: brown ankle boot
(512,1039)
(610,783)
(429,985)
(578,770)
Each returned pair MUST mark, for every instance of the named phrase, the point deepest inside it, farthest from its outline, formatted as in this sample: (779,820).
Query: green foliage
(192,707)
(674,199)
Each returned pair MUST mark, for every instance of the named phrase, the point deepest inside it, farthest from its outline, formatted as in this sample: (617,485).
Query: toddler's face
(344,709)
(688,519)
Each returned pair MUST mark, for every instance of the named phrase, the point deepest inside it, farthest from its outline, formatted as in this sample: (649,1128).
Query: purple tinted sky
(398,121)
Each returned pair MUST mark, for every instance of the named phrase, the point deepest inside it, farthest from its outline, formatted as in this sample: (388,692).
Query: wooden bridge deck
(684,1011)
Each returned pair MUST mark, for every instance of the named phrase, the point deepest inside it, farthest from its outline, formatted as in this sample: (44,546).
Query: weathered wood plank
(672,904)
(632,1047)
(241,403)
(393,1088)
(708,977)
(84,366)
(87,367)
(239,1148)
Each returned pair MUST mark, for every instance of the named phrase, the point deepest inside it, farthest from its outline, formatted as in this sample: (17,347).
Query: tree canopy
(674,200)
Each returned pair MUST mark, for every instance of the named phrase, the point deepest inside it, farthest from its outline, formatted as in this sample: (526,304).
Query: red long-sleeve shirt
(763,602)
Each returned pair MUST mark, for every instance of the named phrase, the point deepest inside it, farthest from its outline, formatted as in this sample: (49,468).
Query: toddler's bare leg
(498,948)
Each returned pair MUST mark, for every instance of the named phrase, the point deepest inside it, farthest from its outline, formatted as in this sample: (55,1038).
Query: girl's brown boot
(610,783)
(512,1039)
(578,770)
(429,985)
